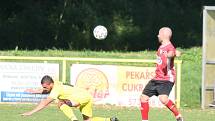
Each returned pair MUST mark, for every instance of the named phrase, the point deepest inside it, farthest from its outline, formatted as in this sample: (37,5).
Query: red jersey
(165,69)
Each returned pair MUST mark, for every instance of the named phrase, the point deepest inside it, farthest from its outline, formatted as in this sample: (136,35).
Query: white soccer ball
(100,32)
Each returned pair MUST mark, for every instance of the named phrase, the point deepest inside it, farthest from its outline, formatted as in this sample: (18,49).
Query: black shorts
(158,87)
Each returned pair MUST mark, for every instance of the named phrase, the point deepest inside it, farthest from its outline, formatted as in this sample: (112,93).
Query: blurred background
(68,24)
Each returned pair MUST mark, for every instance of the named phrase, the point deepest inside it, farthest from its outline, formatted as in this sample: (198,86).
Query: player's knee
(86,118)
(144,98)
(60,103)
(164,99)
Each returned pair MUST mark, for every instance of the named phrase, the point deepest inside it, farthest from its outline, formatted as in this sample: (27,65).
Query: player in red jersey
(162,83)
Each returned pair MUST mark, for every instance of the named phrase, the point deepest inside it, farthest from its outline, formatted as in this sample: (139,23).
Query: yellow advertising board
(117,85)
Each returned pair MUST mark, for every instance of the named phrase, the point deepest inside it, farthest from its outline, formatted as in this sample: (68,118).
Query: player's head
(47,84)
(165,34)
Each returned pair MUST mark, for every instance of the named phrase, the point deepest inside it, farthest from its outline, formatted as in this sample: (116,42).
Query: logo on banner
(95,81)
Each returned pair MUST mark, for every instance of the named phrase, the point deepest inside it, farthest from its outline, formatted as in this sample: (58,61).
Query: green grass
(52,113)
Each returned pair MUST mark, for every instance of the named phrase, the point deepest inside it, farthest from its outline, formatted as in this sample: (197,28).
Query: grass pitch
(11,112)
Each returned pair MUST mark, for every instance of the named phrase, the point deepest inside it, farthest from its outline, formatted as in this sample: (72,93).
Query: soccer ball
(100,32)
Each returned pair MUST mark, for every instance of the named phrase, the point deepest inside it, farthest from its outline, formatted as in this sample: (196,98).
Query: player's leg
(86,118)
(171,106)
(144,99)
(67,110)
(164,91)
(144,107)
(86,110)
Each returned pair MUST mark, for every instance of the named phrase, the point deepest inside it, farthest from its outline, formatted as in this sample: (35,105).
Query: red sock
(144,110)
(172,107)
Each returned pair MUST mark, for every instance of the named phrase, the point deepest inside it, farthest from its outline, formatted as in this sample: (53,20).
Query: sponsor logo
(159,60)
(95,81)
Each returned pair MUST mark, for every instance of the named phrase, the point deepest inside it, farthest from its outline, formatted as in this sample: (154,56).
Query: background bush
(68,24)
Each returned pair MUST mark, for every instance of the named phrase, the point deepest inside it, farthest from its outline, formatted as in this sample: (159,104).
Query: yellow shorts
(86,108)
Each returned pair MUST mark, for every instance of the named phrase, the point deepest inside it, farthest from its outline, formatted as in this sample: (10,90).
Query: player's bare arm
(34,91)
(39,107)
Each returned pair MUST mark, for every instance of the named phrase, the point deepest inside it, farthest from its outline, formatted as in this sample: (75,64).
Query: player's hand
(169,54)
(68,102)
(26,114)
(178,53)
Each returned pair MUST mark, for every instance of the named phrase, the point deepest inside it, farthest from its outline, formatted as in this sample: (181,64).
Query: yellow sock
(68,112)
(100,119)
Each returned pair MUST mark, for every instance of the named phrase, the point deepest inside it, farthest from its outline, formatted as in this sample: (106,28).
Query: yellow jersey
(60,91)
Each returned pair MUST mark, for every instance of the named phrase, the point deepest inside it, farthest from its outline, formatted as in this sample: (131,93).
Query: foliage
(191,77)
(68,24)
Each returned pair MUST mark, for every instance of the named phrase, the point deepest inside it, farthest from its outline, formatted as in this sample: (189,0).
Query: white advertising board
(15,78)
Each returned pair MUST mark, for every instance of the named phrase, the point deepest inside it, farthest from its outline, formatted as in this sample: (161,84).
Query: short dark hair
(47,79)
